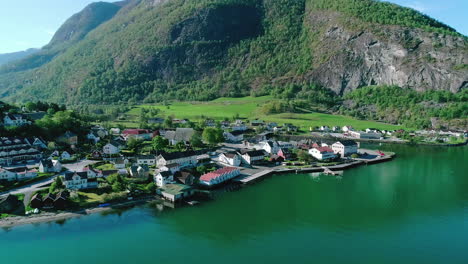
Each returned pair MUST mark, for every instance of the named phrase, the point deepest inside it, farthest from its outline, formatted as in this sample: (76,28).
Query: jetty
(256,176)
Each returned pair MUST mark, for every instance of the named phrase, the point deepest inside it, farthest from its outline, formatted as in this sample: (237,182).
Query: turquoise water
(411,210)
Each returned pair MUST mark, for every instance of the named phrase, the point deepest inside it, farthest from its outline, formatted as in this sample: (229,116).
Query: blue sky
(31,23)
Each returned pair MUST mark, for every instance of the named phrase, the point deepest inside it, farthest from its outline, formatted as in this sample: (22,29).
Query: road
(33,187)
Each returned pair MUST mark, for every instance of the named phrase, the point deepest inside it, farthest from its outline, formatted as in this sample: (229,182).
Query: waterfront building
(79,180)
(230,158)
(322,153)
(176,192)
(345,148)
(219,176)
(184,159)
(253,156)
(161,178)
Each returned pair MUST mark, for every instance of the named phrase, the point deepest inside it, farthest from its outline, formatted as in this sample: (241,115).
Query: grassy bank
(247,108)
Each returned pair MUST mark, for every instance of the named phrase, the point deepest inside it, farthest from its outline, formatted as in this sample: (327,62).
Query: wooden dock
(256,176)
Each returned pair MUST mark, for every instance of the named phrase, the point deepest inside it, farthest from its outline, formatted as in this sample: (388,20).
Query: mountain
(9,57)
(155,50)
(70,33)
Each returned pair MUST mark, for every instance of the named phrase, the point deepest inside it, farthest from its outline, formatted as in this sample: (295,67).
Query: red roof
(215,174)
(324,149)
(135,131)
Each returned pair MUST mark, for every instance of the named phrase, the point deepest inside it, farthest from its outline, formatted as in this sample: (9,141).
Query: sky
(31,23)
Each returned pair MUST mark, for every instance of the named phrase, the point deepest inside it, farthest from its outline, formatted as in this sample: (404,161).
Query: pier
(255,176)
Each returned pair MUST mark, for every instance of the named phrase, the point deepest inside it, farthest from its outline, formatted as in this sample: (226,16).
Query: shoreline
(48,217)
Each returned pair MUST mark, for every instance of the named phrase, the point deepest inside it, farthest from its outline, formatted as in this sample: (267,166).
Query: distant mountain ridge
(13,56)
(155,50)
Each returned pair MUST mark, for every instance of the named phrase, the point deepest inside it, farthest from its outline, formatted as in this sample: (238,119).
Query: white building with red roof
(322,153)
(141,134)
(219,176)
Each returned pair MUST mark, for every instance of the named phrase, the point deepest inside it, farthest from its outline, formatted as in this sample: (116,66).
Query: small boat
(104,205)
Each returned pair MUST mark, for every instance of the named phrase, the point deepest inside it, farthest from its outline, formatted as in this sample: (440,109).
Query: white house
(7,175)
(219,176)
(347,129)
(78,181)
(149,160)
(93,136)
(184,159)
(345,148)
(173,168)
(47,165)
(325,128)
(271,147)
(234,136)
(162,178)
(239,127)
(15,120)
(112,148)
(65,155)
(322,153)
(364,135)
(253,156)
(230,158)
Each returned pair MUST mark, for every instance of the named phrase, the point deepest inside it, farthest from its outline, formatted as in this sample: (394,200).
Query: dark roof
(237,133)
(69,175)
(47,163)
(348,142)
(230,155)
(50,196)
(145,157)
(179,155)
(165,174)
(255,153)
(173,165)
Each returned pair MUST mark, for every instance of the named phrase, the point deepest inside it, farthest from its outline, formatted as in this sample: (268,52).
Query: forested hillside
(312,50)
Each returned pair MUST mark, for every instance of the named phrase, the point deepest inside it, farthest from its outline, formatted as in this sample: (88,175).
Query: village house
(149,160)
(65,155)
(161,178)
(271,147)
(239,126)
(253,156)
(120,163)
(230,158)
(322,153)
(219,176)
(36,201)
(345,148)
(184,159)
(79,181)
(115,131)
(113,147)
(15,120)
(290,127)
(257,123)
(68,138)
(210,123)
(365,135)
(346,129)
(7,175)
(185,177)
(93,136)
(173,168)
(176,192)
(180,135)
(9,203)
(140,134)
(324,128)
(141,171)
(234,136)
(48,166)
(15,150)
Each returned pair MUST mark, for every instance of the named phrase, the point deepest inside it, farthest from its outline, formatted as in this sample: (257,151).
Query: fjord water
(411,210)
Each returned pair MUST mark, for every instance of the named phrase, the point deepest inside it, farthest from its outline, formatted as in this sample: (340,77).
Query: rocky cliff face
(352,55)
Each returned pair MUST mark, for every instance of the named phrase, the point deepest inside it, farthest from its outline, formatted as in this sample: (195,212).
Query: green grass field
(247,108)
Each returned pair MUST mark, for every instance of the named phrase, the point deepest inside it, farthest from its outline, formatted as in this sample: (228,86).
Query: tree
(202,169)
(212,136)
(180,146)
(159,143)
(151,187)
(134,144)
(303,156)
(196,141)
(56,185)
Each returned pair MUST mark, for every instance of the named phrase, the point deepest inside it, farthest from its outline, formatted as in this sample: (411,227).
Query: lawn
(247,108)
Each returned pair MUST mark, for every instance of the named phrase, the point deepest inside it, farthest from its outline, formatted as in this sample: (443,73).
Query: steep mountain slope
(71,32)
(9,57)
(155,50)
